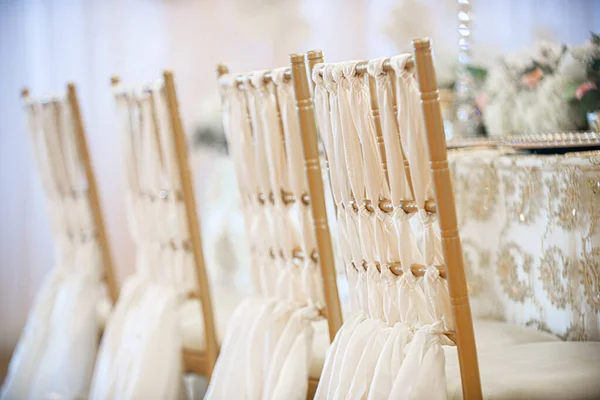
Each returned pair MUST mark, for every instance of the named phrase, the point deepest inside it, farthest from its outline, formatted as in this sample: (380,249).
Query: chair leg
(312,387)
(194,362)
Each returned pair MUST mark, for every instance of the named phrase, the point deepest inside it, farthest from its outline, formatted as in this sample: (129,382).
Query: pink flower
(532,78)
(584,88)
(482,101)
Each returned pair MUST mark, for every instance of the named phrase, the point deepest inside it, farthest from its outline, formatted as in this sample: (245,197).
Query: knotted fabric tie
(422,374)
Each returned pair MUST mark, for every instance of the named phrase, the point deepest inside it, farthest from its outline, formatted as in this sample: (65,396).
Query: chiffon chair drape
(57,349)
(141,353)
(391,346)
(269,341)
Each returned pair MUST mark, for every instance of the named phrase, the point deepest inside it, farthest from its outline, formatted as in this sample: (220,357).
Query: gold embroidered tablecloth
(530,228)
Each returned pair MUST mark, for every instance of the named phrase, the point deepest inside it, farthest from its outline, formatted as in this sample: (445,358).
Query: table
(530,229)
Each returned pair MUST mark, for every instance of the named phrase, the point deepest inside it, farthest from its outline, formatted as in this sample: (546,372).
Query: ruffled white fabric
(289,366)
(397,331)
(414,142)
(231,363)
(57,348)
(422,374)
(271,359)
(140,354)
(62,331)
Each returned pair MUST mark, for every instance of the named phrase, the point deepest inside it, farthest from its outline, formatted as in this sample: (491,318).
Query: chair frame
(308,129)
(92,190)
(444,198)
(201,363)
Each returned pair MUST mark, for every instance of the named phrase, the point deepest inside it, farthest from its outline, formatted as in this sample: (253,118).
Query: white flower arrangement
(525,92)
(210,133)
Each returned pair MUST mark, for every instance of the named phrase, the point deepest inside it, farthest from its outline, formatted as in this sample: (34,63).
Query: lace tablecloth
(530,228)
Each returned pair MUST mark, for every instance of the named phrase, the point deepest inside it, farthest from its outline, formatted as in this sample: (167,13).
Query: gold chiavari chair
(71,305)
(443,205)
(312,201)
(198,361)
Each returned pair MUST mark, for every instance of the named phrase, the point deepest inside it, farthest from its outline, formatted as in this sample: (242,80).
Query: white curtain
(56,352)
(391,346)
(140,354)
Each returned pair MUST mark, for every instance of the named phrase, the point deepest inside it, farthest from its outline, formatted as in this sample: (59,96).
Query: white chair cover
(231,364)
(326,99)
(140,354)
(55,354)
(272,357)
(392,345)
(294,349)
(324,121)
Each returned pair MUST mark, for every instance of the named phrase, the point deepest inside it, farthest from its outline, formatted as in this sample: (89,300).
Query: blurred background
(46,43)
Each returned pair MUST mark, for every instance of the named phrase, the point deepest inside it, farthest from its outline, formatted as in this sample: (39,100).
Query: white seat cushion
(487,334)
(497,333)
(193,330)
(192,322)
(320,345)
(544,370)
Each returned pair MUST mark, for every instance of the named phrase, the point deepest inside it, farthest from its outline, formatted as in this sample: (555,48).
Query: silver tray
(569,140)
(472,142)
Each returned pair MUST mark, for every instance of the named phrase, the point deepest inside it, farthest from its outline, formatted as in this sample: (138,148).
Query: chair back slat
(93,196)
(181,150)
(377,122)
(465,339)
(308,128)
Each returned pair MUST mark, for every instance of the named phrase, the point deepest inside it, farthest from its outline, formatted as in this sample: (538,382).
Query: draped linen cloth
(391,346)
(57,348)
(271,359)
(289,371)
(324,121)
(140,354)
(231,364)
(425,361)
(235,119)
(355,348)
(327,115)
(268,325)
